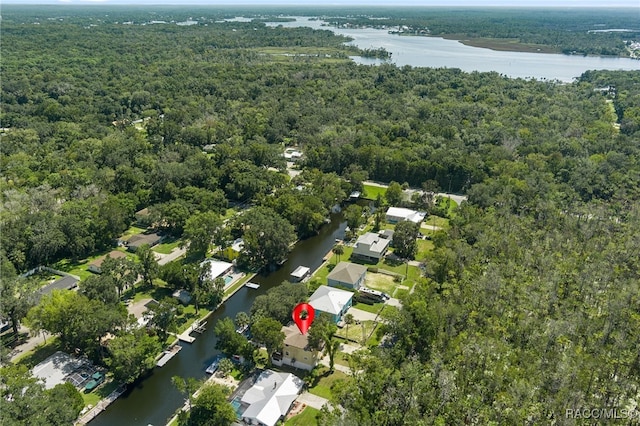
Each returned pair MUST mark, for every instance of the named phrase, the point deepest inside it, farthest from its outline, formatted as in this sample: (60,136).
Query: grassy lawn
(424,248)
(381,282)
(374,340)
(102,392)
(166,248)
(308,417)
(79,269)
(326,380)
(131,231)
(357,332)
(374,309)
(371,192)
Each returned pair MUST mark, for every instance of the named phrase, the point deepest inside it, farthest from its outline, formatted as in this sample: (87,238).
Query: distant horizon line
(124,3)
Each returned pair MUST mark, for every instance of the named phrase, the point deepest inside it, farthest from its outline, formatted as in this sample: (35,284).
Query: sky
(511,3)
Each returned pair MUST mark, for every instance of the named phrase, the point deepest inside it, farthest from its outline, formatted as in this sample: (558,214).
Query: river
(436,52)
(154,400)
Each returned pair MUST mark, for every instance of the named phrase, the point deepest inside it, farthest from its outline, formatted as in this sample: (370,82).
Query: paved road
(455,197)
(31,343)
(176,253)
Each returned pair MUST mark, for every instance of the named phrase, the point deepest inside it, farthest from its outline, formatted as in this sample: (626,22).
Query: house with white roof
(399,214)
(370,247)
(270,398)
(332,301)
(216,268)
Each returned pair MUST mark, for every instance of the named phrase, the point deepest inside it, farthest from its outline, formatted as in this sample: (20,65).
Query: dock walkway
(100,407)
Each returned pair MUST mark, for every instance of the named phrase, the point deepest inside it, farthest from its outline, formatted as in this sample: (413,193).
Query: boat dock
(100,407)
(252,285)
(197,326)
(168,354)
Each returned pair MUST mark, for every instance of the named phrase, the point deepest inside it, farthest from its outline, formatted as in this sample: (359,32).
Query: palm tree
(348,319)
(338,250)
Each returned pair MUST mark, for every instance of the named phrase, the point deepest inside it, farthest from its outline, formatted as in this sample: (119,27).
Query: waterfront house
(332,301)
(216,268)
(399,214)
(295,351)
(370,247)
(347,274)
(270,398)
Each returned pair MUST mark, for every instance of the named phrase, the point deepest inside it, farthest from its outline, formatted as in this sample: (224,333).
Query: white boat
(252,285)
(214,365)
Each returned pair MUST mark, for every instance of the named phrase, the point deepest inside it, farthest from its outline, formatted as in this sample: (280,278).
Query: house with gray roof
(347,274)
(370,247)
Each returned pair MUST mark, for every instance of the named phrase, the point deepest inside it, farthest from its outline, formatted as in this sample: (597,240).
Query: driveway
(312,400)
(175,253)
(360,315)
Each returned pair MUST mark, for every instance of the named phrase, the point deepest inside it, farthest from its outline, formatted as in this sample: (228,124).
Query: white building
(270,398)
(370,247)
(332,301)
(217,268)
(398,214)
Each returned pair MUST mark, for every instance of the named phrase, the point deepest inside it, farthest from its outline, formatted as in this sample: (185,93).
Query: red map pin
(303,315)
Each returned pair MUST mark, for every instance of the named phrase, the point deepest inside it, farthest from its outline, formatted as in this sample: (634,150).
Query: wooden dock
(168,354)
(100,406)
(197,326)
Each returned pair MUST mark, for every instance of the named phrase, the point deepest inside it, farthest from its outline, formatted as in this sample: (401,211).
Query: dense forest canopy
(531,303)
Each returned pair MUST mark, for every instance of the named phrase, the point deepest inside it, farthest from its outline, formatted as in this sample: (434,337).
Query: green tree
(131,355)
(211,407)
(348,320)
(230,342)
(225,366)
(394,194)
(404,240)
(187,387)
(268,332)
(322,337)
(278,302)
(100,287)
(199,231)
(163,317)
(242,319)
(79,321)
(338,250)
(17,295)
(123,272)
(25,401)
(353,215)
(148,264)
(267,237)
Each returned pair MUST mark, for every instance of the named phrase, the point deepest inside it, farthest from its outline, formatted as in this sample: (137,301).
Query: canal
(154,400)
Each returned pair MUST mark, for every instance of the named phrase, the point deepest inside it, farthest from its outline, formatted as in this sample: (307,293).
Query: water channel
(154,400)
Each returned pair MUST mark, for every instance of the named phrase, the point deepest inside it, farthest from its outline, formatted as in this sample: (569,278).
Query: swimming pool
(227,279)
(237,406)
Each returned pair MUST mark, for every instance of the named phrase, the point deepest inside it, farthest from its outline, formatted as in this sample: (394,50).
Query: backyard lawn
(323,386)
(357,332)
(371,192)
(308,417)
(167,248)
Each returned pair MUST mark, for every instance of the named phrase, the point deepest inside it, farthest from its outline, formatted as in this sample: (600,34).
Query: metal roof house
(399,214)
(370,247)
(332,301)
(270,398)
(347,274)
